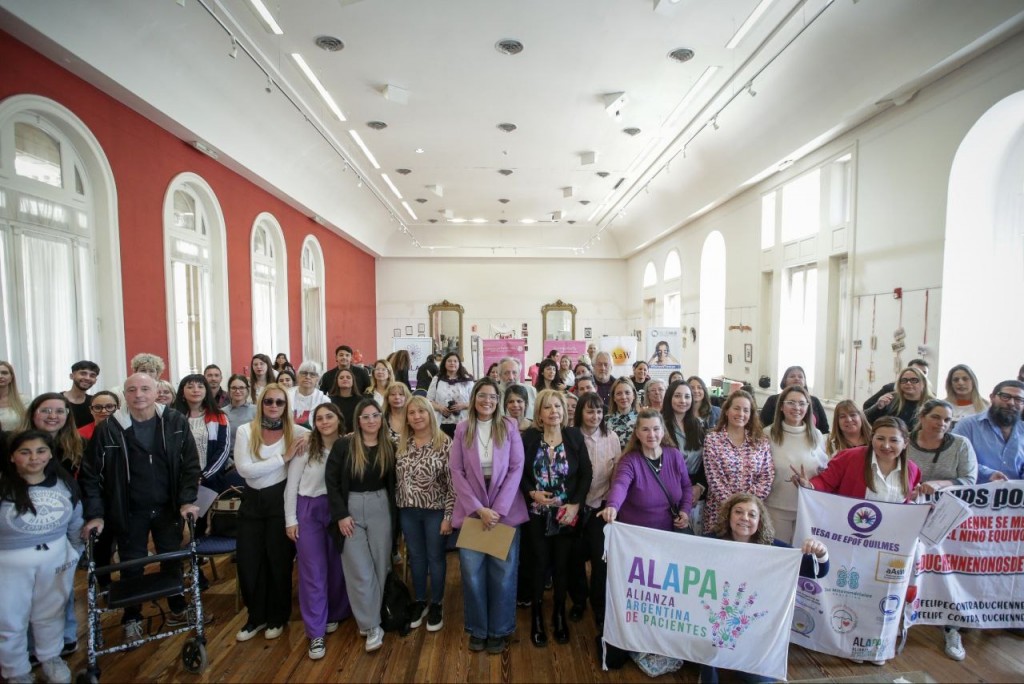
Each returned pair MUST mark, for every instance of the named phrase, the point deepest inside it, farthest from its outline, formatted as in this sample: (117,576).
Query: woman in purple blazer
(486,463)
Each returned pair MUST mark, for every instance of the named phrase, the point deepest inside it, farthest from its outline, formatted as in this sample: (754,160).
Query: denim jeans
(489,591)
(709,675)
(426,545)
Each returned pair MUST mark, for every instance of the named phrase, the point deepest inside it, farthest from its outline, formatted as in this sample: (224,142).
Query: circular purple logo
(808,586)
(864,518)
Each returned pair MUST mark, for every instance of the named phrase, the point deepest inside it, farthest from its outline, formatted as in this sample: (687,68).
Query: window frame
(279,335)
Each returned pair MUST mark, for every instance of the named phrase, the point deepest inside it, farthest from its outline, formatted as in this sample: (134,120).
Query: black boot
(559,625)
(537,634)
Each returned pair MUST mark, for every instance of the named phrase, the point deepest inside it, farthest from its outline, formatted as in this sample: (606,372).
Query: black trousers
(265,556)
(133,542)
(548,552)
(589,546)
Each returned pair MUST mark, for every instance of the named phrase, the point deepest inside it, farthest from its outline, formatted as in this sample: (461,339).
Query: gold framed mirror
(446,327)
(559,321)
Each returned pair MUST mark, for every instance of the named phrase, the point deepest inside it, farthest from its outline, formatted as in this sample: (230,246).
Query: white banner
(663,348)
(854,612)
(623,352)
(975,577)
(708,601)
(419,349)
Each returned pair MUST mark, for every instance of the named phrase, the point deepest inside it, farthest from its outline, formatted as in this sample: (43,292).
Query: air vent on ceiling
(502,220)
(681,55)
(507,127)
(431,220)
(584,202)
(377,125)
(421,200)
(602,174)
(505,172)
(503,200)
(571,223)
(404,172)
(329,43)
(508,46)
(631,131)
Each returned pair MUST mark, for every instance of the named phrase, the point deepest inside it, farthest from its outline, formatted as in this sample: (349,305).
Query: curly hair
(765,533)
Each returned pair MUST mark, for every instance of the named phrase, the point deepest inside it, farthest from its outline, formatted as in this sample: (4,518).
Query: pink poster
(496,350)
(574,348)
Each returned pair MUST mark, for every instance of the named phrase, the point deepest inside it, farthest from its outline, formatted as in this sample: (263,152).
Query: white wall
(903,159)
(502,292)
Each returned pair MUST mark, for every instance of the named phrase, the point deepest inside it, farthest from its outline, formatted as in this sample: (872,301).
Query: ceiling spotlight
(508,46)
(270,84)
(377,125)
(614,104)
(681,55)
(419,150)
(714,122)
(507,127)
(750,89)
(234,48)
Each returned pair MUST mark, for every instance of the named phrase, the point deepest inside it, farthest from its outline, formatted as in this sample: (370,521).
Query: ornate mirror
(559,321)
(446,327)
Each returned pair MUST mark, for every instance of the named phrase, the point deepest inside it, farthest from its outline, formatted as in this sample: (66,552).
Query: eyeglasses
(103,408)
(487,397)
(238,388)
(795,404)
(275,402)
(307,374)
(910,381)
(1011,398)
(369,416)
(53,412)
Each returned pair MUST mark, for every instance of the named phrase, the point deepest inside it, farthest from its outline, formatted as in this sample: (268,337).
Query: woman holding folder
(486,468)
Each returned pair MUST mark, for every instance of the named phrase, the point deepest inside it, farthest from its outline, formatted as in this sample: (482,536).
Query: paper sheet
(495,542)
(945,517)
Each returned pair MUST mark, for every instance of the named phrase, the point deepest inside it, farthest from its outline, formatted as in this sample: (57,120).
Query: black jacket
(817,410)
(338,478)
(577,484)
(105,478)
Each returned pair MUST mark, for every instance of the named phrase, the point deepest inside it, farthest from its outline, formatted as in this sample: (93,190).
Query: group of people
(333,467)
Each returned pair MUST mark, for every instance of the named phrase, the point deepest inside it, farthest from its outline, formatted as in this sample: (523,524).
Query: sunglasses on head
(275,402)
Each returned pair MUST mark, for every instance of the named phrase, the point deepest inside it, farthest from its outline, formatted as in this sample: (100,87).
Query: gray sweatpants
(366,557)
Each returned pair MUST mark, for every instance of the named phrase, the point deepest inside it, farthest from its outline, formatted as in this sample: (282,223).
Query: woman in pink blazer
(487,465)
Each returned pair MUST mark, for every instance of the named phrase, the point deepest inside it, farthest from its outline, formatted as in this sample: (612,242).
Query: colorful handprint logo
(731,619)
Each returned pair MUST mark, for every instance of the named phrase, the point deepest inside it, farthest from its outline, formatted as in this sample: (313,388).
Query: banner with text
(663,348)
(623,352)
(709,601)
(975,577)
(574,348)
(496,350)
(854,612)
(419,349)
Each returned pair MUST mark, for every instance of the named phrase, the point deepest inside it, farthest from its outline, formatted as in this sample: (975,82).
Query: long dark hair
(180,403)
(590,400)
(269,377)
(901,427)
(13,486)
(704,408)
(693,427)
(461,375)
(316,440)
(540,384)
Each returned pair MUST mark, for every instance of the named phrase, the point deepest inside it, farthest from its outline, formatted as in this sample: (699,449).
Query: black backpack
(395,606)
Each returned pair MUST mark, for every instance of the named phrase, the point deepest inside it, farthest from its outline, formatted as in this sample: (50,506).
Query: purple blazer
(471,492)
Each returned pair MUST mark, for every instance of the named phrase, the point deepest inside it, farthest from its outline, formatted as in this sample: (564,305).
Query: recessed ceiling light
(508,46)
(631,131)
(391,185)
(419,150)
(505,172)
(681,55)
(404,172)
(527,221)
(317,85)
(457,220)
(329,43)
(411,212)
(478,220)
(364,148)
(267,17)
(507,127)
(748,24)
(377,125)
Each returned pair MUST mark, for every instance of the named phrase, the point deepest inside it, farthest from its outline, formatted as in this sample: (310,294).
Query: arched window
(672,267)
(269,288)
(196,270)
(650,275)
(314,340)
(711,352)
(60,268)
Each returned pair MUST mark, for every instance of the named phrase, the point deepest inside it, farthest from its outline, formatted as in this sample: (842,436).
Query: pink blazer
(471,492)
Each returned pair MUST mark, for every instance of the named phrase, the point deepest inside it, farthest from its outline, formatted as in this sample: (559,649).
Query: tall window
(56,220)
(196,277)
(314,339)
(711,352)
(650,275)
(673,269)
(798,320)
(672,312)
(269,288)
(801,202)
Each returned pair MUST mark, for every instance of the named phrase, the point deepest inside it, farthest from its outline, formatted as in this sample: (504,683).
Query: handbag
(673,508)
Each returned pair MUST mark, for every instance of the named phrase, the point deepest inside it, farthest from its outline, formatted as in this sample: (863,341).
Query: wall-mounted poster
(623,351)
(495,350)
(574,348)
(663,345)
(418,347)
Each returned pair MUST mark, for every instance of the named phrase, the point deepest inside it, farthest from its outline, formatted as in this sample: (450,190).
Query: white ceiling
(818,68)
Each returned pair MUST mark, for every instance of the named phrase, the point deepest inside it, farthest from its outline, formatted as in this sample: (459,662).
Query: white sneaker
(273,632)
(955,645)
(249,631)
(317,649)
(26,678)
(56,671)
(332,627)
(374,639)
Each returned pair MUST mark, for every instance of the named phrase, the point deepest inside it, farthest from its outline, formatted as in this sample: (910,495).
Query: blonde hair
(438,439)
(613,408)
(13,398)
(543,396)
(256,426)
(373,379)
(837,441)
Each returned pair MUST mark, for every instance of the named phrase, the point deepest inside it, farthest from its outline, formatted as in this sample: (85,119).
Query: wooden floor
(992,655)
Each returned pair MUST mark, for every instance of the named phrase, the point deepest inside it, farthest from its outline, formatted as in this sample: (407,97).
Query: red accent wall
(145,158)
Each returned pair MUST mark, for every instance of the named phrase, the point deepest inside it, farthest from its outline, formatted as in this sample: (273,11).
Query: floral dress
(550,472)
(622,425)
(732,469)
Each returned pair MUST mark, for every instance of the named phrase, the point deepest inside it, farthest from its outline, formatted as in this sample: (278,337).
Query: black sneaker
(497,645)
(435,621)
(69,648)
(477,644)
(417,613)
